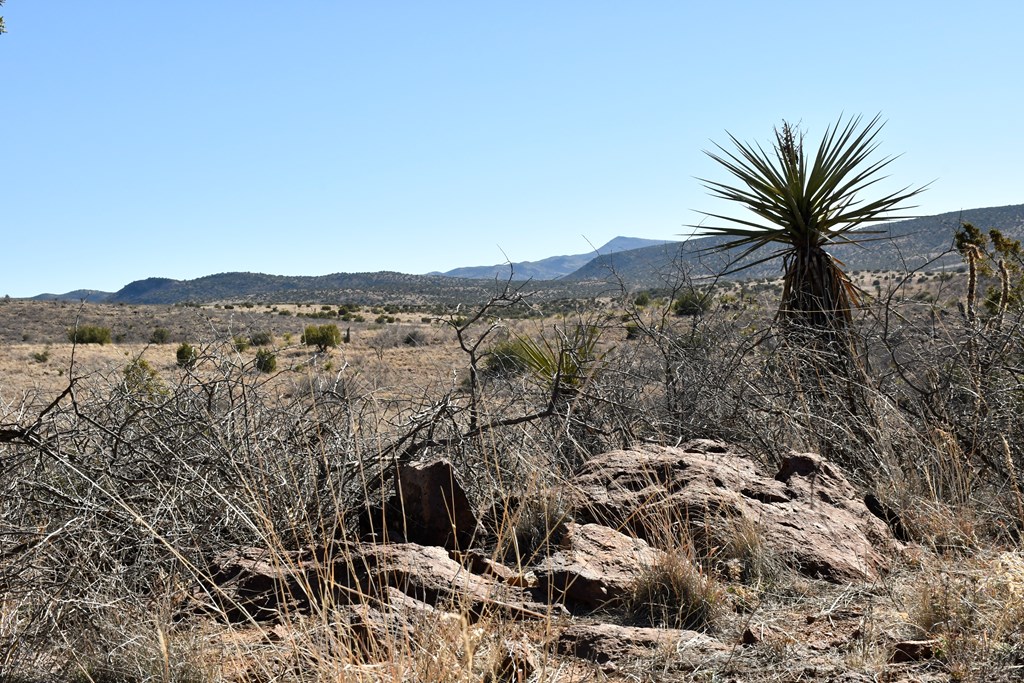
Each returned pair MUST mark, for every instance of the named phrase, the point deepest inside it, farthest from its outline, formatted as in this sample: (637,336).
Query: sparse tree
(89,334)
(323,337)
(160,335)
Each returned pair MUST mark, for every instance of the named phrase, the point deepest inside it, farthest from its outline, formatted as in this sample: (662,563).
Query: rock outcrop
(807,514)
(427,560)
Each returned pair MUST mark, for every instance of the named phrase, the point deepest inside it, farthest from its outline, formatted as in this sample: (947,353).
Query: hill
(923,242)
(92,296)
(553,267)
(364,288)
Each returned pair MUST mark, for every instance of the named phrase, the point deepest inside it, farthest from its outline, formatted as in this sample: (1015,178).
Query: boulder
(426,505)
(252,584)
(807,514)
(593,565)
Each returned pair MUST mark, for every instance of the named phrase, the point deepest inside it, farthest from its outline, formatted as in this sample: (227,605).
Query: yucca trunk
(817,295)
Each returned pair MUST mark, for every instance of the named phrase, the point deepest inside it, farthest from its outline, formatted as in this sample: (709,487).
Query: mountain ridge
(924,241)
(552,267)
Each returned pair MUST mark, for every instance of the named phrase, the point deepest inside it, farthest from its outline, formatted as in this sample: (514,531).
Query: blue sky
(144,138)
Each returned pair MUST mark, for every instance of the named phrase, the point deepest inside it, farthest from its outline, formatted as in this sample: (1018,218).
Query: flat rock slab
(430,575)
(255,584)
(807,514)
(610,645)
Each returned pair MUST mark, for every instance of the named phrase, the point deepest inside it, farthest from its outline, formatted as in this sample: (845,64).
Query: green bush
(187,356)
(89,334)
(322,337)
(261,338)
(504,359)
(240,344)
(692,302)
(160,335)
(142,380)
(266,361)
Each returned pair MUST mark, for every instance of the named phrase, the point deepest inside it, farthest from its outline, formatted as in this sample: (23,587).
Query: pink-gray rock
(808,515)
(250,583)
(429,575)
(593,565)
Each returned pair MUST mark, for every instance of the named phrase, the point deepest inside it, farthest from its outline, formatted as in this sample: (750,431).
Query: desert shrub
(564,364)
(41,356)
(186,356)
(266,361)
(394,336)
(676,593)
(89,334)
(160,335)
(143,381)
(240,343)
(692,302)
(414,338)
(323,337)
(261,338)
(642,299)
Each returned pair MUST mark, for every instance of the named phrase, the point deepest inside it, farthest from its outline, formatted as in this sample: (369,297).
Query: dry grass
(113,501)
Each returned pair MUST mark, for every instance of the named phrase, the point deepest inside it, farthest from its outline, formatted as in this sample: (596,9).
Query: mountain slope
(923,242)
(550,268)
(92,296)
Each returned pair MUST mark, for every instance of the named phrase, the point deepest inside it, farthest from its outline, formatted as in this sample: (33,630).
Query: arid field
(629,490)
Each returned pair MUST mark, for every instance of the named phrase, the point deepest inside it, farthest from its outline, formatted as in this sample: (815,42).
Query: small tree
(160,335)
(692,302)
(187,356)
(323,337)
(143,381)
(261,338)
(89,334)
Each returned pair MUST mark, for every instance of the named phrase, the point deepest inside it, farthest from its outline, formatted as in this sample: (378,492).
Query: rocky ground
(658,563)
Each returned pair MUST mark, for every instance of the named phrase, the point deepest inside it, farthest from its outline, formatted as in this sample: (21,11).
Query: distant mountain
(923,242)
(92,296)
(550,268)
(909,244)
(363,288)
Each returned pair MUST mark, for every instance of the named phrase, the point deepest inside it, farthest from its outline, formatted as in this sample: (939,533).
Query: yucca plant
(801,206)
(563,365)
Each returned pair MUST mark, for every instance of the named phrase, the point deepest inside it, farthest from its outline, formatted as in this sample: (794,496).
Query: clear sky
(181,139)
